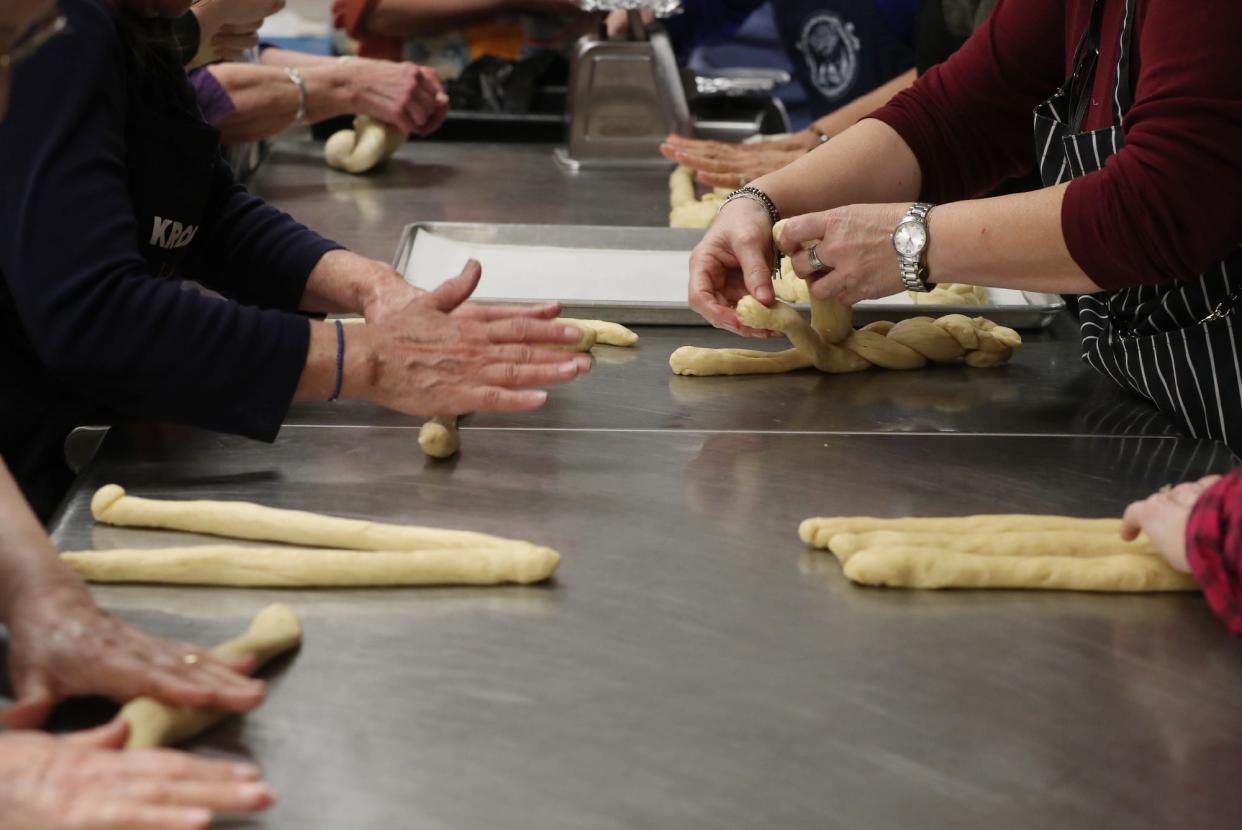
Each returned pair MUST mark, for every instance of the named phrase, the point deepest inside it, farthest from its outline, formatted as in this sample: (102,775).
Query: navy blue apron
(1172,343)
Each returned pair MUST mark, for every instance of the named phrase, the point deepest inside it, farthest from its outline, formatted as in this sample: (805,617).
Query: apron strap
(1123,88)
(1077,88)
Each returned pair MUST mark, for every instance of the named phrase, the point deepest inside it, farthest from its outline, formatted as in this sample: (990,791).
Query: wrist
(42,580)
(810,138)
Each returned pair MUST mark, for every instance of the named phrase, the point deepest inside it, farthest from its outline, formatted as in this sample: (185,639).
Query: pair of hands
(735,258)
(437,354)
(230,27)
(720,164)
(62,645)
(408,96)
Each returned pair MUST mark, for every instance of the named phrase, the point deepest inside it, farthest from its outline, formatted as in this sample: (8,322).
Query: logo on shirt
(830,49)
(167,234)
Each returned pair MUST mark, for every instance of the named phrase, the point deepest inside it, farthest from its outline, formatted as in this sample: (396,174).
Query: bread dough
(438,437)
(905,567)
(367,145)
(818,531)
(244,520)
(696,360)
(831,344)
(275,630)
(1024,543)
(606,333)
(685,209)
(951,293)
(290,567)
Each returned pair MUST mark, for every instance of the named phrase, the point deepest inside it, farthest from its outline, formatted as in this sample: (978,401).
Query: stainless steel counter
(693,666)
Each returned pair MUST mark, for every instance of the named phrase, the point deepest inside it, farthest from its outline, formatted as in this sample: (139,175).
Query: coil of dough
(367,145)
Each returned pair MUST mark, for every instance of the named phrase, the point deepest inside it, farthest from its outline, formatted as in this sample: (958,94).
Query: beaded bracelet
(755,195)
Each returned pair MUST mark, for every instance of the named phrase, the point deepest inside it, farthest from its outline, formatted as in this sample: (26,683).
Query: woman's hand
(62,645)
(83,782)
(733,259)
(732,165)
(855,245)
(406,95)
(230,27)
(432,357)
(1163,516)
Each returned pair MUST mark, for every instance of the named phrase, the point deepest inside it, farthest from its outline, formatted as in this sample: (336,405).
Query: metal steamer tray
(631,275)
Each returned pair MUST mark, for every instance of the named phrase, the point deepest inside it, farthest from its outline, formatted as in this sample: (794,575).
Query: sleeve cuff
(1213,530)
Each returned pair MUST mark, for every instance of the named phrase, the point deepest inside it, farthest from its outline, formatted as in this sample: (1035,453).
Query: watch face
(910,238)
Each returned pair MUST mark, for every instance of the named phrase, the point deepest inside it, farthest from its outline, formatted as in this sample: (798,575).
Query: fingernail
(539,396)
(585,362)
(246,771)
(255,793)
(568,369)
(572,331)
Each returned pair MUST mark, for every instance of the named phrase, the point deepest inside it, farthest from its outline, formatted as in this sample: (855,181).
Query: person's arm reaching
(1197,526)
(265,100)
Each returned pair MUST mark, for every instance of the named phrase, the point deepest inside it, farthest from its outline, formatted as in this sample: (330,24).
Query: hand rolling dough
(367,145)
(288,567)
(275,630)
(900,567)
(243,520)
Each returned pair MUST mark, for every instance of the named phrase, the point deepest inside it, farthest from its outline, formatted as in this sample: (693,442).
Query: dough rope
(438,437)
(831,344)
(275,630)
(290,567)
(685,209)
(606,333)
(1001,551)
(951,293)
(367,145)
(245,520)
(929,568)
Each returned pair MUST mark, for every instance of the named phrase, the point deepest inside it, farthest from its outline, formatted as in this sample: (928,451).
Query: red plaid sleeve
(1214,547)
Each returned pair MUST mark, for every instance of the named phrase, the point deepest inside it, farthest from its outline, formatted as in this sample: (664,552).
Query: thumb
(33,705)
(452,293)
(757,271)
(111,735)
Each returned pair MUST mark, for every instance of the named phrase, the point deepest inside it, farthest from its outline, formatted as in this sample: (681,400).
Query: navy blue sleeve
(95,316)
(251,251)
(707,21)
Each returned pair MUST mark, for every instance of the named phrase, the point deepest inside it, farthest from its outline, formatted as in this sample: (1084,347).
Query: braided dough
(1002,551)
(367,145)
(290,567)
(831,344)
(275,630)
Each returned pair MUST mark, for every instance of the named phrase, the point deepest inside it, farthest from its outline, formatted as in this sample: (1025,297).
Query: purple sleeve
(213,99)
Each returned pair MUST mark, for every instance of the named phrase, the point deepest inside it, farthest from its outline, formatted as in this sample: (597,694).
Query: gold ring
(190,659)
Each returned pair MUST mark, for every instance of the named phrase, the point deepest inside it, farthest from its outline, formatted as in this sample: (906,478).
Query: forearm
(285,57)
(866,164)
(346,283)
(841,119)
(26,553)
(1005,242)
(266,99)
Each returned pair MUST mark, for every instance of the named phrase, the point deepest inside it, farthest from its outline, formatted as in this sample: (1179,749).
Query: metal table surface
(692,665)
(431,180)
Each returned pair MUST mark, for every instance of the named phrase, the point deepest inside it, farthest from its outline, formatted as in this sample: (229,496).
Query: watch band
(913,272)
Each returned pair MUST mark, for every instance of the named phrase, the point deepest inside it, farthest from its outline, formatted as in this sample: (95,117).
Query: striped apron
(1172,343)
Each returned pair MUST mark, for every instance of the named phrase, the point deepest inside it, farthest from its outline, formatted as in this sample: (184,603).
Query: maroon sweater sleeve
(1169,204)
(1214,547)
(969,120)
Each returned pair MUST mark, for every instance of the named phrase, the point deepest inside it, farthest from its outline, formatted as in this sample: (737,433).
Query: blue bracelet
(340,360)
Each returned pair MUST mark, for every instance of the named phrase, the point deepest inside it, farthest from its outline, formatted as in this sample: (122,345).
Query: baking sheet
(629,275)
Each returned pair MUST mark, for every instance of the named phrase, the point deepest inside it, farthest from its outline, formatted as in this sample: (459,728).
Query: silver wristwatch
(910,241)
